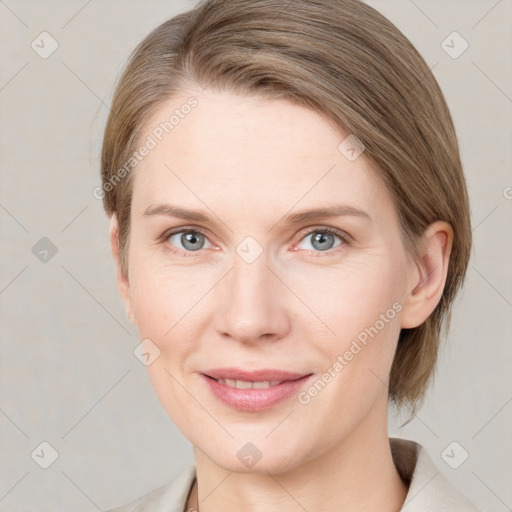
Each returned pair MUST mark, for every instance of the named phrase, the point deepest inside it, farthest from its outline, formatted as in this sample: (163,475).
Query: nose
(252,303)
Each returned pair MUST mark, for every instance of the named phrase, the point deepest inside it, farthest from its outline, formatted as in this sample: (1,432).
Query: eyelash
(317,254)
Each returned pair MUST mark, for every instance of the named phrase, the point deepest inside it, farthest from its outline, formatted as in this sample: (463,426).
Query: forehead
(241,150)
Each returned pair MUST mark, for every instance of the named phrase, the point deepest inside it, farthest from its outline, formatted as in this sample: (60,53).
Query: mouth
(253,384)
(255,390)
(246,384)
(237,374)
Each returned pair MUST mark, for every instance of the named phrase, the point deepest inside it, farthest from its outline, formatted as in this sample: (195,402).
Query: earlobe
(122,279)
(427,277)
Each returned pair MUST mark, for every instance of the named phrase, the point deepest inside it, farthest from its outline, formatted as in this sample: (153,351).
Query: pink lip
(255,399)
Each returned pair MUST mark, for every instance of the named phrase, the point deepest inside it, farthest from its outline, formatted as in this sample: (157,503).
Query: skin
(247,162)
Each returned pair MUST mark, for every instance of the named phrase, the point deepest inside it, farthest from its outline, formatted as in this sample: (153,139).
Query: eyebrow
(292,219)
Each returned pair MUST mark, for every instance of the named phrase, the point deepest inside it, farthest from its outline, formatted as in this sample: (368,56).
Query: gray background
(67,372)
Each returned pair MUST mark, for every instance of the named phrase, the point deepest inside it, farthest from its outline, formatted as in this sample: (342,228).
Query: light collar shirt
(428,490)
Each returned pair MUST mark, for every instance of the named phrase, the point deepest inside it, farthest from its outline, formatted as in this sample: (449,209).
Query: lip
(254,400)
(252,375)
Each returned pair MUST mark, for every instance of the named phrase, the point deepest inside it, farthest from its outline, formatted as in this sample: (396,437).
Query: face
(247,283)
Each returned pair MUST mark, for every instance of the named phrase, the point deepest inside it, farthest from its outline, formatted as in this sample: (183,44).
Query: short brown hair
(346,61)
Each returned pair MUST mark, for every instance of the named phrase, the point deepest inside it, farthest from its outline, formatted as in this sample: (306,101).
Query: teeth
(243,384)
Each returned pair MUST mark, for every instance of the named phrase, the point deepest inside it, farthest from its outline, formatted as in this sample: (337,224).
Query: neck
(357,474)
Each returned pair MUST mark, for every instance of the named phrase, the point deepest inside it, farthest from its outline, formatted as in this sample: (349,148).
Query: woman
(307,152)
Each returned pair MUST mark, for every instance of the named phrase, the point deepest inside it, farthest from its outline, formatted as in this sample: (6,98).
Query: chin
(273,465)
(255,457)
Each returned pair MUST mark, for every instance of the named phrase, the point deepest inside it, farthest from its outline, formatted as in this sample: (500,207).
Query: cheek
(362,307)
(359,308)
(164,303)
(163,297)
(335,304)
(347,299)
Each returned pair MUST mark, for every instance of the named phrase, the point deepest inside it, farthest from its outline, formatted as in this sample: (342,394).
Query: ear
(427,277)
(122,279)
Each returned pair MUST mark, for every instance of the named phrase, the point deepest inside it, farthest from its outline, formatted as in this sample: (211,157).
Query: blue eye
(191,241)
(186,242)
(323,239)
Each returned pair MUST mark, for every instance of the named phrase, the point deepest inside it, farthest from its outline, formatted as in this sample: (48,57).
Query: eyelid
(345,238)
(328,229)
(182,229)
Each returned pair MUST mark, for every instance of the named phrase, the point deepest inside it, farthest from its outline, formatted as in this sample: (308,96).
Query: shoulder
(170,497)
(429,490)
